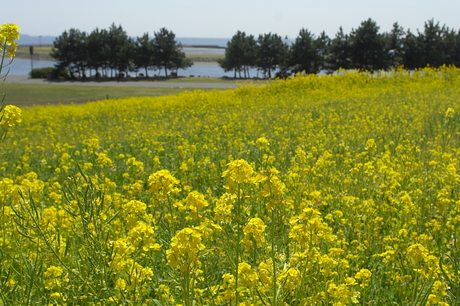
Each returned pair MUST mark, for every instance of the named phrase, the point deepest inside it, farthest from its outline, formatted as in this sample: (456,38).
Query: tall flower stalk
(9,114)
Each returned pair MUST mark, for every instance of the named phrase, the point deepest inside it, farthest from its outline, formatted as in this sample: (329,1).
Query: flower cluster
(162,183)
(185,248)
(8,34)
(10,115)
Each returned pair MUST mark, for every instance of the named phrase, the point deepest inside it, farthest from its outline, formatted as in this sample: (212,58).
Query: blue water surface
(23,67)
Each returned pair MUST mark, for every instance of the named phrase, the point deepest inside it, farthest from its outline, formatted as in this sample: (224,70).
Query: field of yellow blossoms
(317,190)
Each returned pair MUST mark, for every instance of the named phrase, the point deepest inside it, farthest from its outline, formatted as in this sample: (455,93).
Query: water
(23,67)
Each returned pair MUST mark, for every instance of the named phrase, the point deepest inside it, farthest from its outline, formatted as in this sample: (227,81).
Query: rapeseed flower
(8,34)
(348,190)
(53,271)
(247,275)
(185,247)
(239,171)
(417,252)
(10,115)
(450,112)
(438,293)
(161,183)
(363,276)
(194,202)
(254,231)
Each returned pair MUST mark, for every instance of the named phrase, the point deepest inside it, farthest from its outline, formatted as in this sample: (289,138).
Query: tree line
(112,53)
(364,48)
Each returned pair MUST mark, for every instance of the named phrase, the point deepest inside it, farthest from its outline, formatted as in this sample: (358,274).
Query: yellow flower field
(317,190)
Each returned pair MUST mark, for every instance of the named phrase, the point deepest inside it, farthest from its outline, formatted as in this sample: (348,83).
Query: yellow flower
(239,171)
(224,207)
(371,145)
(194,202)
(262,143)
(104,160)
(416,252)
(228,280)
(143,233)
(438,293)
(10,115)
(52,275)
(53,271)
(449,113)
(120,284)
(248,276)
(185,246)
(265,272)
(290,278)
(10,283)
(255,230)
(8,34)
(55,295)
(309,227)
(343,293)
(133,207)
(161,183)
(364,276)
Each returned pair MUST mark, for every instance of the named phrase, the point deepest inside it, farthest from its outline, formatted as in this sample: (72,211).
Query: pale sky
(222,19)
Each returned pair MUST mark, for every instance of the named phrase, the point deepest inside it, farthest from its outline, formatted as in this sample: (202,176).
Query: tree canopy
(307,52)
(240,54)
(112,52)
(364,48)
(167,52)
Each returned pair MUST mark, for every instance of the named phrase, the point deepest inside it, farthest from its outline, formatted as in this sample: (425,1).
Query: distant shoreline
(202,61)
(36,56)
(183,46)
(47,40)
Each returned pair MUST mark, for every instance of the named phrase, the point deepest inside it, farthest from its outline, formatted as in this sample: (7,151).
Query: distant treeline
(112,53)
(363,48)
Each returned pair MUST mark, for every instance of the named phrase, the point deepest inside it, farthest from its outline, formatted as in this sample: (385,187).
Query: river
(23,67)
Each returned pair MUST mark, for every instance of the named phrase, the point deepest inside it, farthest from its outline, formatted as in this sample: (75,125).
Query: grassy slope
(28,95)
(23,95)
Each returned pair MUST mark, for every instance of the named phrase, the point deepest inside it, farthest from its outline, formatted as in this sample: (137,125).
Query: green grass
(180,79)
(210,56)
(194,80)
(23,95)
(41,50)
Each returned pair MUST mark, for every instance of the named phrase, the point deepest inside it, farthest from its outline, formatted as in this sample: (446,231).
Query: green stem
(2,60)
(238,239)
(187,288)
(51,248)
(275,291)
